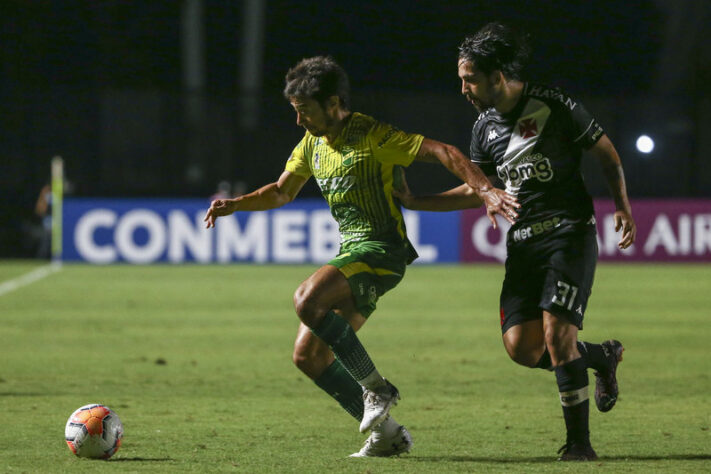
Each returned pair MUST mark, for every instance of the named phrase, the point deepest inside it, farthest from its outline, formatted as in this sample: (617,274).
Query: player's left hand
(402,191)
(500,202)
(624,222)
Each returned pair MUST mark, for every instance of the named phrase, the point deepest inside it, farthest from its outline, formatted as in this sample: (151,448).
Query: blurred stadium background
(171,98)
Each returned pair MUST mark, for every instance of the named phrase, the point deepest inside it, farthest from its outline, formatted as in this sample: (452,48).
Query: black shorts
(554,273)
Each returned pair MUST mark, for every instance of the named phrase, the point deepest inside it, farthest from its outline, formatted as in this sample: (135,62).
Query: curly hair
(319,78)
(497,47)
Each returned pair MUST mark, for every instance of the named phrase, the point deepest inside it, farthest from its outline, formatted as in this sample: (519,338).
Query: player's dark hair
(318,78)
(497,47)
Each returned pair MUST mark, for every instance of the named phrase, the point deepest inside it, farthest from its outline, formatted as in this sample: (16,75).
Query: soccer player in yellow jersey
(354,159)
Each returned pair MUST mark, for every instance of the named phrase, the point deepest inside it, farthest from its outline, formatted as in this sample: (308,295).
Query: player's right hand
(218,207)
(500,202)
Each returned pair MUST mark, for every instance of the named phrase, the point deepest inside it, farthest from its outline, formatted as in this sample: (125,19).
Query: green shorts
(372,268)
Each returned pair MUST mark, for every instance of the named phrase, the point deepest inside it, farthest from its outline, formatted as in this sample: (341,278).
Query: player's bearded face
(311,115)
(476,86)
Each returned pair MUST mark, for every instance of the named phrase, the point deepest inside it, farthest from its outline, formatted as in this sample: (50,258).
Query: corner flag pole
(57,200)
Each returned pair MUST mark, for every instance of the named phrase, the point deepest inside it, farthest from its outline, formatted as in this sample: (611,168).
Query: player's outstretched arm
(461,197)
(611,165)
(272,195)
(497,201)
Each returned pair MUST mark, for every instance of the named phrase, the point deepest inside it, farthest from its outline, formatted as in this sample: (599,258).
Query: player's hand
(402,191)
(625,223)
(218,207)
(500,202)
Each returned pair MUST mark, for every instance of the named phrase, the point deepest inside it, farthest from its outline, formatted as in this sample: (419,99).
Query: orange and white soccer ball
(94,431)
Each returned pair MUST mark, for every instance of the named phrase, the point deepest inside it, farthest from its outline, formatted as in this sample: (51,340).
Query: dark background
(104,84)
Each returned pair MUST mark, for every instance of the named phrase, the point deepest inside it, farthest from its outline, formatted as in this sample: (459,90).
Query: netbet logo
(534,166)
(336,184)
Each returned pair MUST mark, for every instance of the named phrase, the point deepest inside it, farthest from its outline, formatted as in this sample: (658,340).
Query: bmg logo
(534,166)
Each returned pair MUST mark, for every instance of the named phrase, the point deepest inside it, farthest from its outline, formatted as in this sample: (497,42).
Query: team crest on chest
(348,154)
(528,128)
(317,161)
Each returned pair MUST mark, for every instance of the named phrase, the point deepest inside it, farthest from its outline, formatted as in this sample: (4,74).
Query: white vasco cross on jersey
(519,163)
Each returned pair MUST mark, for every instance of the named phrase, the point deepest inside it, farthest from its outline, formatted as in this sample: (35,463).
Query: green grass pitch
(196,360)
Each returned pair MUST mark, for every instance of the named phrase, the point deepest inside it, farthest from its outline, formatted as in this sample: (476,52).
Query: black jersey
(535,150)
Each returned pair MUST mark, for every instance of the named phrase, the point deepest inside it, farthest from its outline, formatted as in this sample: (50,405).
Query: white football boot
(377,405)
(387,439)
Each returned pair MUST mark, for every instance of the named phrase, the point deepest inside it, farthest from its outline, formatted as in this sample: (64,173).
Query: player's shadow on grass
(478,459)
(548,459)
(140,459)
(659,457)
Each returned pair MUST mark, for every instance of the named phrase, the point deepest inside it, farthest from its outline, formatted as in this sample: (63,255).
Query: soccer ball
(94,431)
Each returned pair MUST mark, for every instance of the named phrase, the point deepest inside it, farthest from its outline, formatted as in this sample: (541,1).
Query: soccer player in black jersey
(532,137)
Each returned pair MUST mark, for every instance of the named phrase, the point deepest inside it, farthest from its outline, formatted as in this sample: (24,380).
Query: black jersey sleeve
(477,154)
(586,130)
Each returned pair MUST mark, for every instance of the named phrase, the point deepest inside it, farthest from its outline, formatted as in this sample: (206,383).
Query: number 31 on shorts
(566,295)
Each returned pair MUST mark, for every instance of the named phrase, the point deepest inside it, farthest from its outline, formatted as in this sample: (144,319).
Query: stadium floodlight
(645,144)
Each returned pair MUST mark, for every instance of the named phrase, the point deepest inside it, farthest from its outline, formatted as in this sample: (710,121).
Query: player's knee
(310,361)
(306,306)
(307,363)
(524,356)
(301,360)
(525,351)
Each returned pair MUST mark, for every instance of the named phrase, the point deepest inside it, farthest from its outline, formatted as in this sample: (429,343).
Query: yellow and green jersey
(355,174)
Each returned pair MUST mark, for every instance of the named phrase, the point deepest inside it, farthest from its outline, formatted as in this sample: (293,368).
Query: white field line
(29,278)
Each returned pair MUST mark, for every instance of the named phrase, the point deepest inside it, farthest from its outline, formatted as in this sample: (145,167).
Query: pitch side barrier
(172,230)
(142,231)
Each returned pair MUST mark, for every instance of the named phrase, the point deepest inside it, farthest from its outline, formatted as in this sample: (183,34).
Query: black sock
(594,355)
(573,387)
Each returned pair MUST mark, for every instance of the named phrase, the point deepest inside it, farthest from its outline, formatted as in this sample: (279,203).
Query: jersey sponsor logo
(387,136)
(547,93)
(533,166)
(336,184)
(492,136)
(528,128)
(597,133)
(537,228)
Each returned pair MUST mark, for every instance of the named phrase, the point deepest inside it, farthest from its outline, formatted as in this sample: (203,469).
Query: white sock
(372,381)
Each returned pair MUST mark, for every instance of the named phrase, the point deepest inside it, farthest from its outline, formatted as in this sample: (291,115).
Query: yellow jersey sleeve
(393,146)
(299,162)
